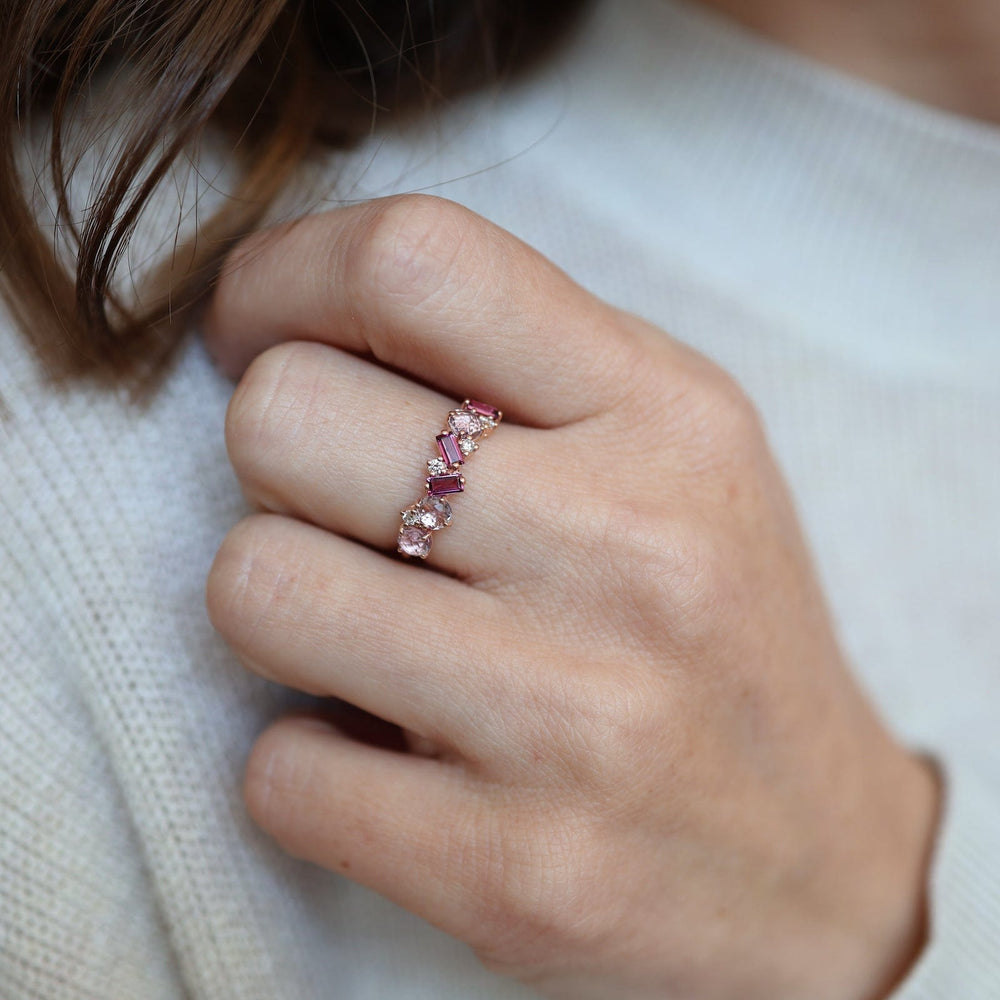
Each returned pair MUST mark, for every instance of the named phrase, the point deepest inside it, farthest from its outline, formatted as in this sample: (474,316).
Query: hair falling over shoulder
(277,78)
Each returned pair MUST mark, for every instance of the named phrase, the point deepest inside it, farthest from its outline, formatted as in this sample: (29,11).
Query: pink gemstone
(431,513)
(440,485)
(415,542)
(450,451)
(484,409)
(464,423)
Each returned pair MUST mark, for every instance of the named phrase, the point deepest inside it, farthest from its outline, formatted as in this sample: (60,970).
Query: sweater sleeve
(962,958)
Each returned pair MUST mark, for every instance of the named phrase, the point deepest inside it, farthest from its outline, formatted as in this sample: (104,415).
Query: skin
(940,52)
(636,764)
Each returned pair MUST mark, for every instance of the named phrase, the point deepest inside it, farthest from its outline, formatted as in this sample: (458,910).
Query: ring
(467,425)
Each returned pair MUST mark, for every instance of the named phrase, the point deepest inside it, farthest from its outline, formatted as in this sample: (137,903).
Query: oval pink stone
(465,424)
(415,542)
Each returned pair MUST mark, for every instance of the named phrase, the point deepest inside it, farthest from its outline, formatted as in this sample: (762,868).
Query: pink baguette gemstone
(441,485)
(483,409)
(450,451)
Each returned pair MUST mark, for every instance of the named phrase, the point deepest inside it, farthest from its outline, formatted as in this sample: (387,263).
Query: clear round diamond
(415,542)
(464,423)
(430,513)
(467,445)
(436,466)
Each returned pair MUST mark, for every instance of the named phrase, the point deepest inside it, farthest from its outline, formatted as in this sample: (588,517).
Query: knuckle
(734,411)
(705,411)
(669,576)
(270,407)
(539,891)
(406,247)
(724,417)
(278,779)
(246,579)
(230,286)
(614,719)
(695,571)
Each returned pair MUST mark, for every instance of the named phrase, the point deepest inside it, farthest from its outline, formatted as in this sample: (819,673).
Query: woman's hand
(646,771)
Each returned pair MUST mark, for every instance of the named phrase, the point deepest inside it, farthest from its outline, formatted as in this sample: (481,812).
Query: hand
(647,771)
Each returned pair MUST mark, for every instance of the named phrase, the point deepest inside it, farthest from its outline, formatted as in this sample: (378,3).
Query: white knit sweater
(836,247)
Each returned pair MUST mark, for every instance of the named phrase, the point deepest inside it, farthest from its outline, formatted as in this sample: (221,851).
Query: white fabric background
(836,247)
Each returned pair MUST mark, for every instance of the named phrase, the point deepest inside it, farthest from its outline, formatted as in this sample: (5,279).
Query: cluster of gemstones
(466,427)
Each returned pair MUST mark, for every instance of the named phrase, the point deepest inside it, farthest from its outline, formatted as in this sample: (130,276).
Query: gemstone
(483,409)
(441,508)
(440,485)
(414,542)
(436,466)
(450,451)
(468,446)
(431,513)
(464,423)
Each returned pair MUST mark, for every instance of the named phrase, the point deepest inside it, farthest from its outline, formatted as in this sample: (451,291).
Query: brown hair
(278,77)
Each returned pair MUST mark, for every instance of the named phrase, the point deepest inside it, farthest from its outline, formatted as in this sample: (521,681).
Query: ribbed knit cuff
(962,959)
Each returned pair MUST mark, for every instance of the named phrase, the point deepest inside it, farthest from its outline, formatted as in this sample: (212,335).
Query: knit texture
(832,245)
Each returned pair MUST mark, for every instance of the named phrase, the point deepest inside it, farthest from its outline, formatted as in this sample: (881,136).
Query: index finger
(429,288)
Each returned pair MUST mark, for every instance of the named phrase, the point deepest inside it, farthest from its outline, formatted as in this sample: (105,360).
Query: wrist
(903,916)
(886,919)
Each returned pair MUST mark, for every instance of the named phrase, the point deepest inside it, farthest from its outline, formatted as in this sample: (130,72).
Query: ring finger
(322,435)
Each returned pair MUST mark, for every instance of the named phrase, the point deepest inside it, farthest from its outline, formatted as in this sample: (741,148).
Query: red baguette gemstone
(440,485)
(450,451)
(483,409)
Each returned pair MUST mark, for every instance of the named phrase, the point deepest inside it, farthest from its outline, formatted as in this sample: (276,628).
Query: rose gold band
(467,425)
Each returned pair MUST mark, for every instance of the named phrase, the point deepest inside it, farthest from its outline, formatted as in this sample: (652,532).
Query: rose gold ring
(467,425)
